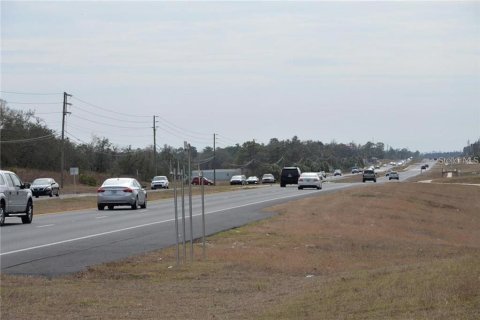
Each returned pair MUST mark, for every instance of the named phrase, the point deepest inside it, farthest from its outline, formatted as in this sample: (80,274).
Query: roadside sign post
(74,172)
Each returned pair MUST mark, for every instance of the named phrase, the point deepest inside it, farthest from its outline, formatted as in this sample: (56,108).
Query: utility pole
(64,113)
(214,173)
(154,145)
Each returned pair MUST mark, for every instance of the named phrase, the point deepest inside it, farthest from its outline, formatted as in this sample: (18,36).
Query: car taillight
(100,190)
(128,190)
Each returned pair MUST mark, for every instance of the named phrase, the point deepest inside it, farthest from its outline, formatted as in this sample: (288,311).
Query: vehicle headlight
(48,188)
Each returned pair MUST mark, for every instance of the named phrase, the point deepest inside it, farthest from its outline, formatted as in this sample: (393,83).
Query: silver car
(121,192)
(159,182)
(309,180)
(15,198)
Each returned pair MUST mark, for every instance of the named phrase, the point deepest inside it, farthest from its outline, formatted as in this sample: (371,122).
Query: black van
(289,175)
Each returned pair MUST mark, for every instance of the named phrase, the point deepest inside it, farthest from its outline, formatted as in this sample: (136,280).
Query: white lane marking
(142,225)
(45,226)
(101,217)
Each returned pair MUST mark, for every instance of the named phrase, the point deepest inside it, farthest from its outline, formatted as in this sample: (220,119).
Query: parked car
(45,187)
(309,180)
(15,198)
(355,170)
(289,175)
(238,179)
(252,180)
(121,192)
(369,175)
(159,182)
(337,172)
(393,175)
(268,178)
(202,180)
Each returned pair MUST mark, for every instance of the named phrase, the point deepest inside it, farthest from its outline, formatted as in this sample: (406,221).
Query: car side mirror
(25,185)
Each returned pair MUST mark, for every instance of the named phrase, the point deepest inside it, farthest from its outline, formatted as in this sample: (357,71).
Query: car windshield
(41,181)
(237,178)
(117,182)
(159,178)
(309,175)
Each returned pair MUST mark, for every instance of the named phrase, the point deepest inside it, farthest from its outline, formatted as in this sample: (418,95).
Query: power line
(112,118)
(19,102)
(110,110)
(32,93)
(106,124)
(29,139)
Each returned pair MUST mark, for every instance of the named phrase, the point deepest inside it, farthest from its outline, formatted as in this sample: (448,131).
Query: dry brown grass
(467,173)
(392,251)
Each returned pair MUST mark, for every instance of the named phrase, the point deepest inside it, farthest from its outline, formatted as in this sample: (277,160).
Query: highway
(57,244)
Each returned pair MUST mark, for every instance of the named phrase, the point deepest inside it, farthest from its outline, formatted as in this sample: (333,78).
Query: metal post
(175,203)
(154,147)
(203,214)
(183,216)
(190,201)
(213,164)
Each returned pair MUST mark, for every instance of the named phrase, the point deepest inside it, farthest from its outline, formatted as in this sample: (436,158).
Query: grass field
(392,251)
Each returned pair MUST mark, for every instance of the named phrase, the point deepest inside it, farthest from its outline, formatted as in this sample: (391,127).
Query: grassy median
(392,251)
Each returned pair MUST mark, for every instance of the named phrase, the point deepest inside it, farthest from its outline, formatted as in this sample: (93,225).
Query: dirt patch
(394,251)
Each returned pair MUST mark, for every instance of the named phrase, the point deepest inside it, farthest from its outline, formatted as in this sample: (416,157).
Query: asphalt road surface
(56,244)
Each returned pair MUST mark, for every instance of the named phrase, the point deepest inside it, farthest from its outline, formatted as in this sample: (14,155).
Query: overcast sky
(403,73)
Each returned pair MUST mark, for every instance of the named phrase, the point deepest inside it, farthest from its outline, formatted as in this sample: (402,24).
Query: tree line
(27,143)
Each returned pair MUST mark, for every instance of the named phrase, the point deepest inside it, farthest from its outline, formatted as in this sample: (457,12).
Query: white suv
(15,198)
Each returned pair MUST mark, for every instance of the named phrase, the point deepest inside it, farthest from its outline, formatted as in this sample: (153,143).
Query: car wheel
(51,194)
(36,196)
(134,205)
(2,215)
(364,180)
(101,207)
(28,217)
(282,185)
(375,180)
(58,193)
(300,188)
(110,207)
(144,205)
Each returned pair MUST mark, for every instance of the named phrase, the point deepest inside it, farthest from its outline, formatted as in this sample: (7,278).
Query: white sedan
(309,180)
(121,192)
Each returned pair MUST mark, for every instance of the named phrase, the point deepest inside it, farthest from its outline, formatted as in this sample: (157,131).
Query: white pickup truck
(15,198)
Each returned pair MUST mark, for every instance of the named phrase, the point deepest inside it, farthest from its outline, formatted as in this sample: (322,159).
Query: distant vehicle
(393,175)
(337,172)
(15,198)
(253,180)
(160,182)
(309,180)
(202,180)
(289,175)
(238,179)
(424,167)
(369,175)
(268,178)
(355,170)
(121,192)
(45,187)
